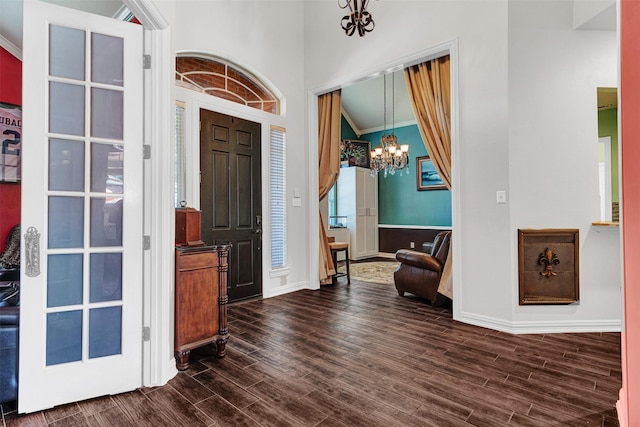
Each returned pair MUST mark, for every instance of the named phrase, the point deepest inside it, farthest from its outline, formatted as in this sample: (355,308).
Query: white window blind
(180,160)
(278,198)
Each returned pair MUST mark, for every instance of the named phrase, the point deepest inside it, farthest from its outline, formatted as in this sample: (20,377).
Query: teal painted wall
(608,126)
(399,202)
(346,132)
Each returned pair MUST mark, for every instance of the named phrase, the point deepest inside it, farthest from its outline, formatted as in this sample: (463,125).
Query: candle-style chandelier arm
(359,18)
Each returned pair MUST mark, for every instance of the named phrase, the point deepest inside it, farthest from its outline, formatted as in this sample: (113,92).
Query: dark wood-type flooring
(360,355)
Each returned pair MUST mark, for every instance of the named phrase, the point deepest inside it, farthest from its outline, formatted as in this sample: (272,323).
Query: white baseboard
(281,290)
(541,326)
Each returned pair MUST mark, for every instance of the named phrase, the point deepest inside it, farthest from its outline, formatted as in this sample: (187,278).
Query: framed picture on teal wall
(355,153)
(427,177)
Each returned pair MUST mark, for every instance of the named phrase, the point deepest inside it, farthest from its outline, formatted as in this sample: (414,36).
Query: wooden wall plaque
(548,266)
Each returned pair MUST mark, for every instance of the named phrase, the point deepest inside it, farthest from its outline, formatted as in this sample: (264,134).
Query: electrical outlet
(412,245)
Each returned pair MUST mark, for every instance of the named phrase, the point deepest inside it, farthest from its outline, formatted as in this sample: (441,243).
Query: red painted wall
(10,92)
(628,405)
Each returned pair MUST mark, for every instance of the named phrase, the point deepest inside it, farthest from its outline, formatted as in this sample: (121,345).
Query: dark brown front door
(230,197)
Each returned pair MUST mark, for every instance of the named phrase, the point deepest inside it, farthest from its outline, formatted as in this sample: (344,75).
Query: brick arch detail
(224,80)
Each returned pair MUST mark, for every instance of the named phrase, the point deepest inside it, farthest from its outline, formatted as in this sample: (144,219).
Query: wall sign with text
(10,138)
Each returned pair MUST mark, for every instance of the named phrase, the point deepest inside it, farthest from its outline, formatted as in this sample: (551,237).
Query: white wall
(482,233)
(554,73)
(267,39)
(527,125)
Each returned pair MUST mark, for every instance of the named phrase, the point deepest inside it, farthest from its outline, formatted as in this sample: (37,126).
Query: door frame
(158,362)
(446,48)
(194,102)
(606,142)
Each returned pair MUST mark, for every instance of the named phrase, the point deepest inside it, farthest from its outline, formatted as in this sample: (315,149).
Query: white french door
(81,284)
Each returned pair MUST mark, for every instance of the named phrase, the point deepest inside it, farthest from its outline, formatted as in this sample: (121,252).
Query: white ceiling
(363,104)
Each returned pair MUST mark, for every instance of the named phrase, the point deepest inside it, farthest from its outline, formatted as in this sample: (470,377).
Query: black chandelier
(359,18)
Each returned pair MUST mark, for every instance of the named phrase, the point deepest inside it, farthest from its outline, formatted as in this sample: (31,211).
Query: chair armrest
(418,259)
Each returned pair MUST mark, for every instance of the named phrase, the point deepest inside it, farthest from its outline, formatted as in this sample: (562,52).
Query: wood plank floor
(360,355)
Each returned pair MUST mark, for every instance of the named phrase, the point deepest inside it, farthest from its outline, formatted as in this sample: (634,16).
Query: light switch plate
(501,196)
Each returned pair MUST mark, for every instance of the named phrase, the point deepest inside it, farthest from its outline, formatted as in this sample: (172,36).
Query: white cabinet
(358,201)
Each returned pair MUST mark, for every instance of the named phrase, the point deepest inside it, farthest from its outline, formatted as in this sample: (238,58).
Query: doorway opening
(449,48)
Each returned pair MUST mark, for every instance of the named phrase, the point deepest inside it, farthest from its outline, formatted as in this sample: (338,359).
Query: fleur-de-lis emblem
(548,259)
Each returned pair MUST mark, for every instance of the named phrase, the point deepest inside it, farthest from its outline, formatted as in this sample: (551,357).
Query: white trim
(123,14)
(416,227)
(280,272)
(14,50)
(606,141)
(395,126)
(291,287)
(349,120)
(148,14)
(456,179)
(158,282)
(446,48)
(162,140)
(194,101)
(314,203)
(542,326)
(398,64)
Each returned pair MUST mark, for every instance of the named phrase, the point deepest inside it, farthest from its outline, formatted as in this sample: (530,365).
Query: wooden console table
(201,300)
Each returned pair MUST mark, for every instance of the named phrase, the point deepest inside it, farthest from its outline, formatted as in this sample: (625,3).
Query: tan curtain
(429,85)
(328,167)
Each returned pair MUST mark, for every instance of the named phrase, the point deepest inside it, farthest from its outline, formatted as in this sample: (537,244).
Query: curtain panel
(429,90)
(329,106)
(429,87)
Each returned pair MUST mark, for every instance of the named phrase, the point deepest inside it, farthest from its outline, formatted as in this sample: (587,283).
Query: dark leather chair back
(440,248)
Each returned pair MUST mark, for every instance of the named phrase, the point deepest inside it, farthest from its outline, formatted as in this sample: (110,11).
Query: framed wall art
(10,136)
(427,177)
(355,153)
(548,266)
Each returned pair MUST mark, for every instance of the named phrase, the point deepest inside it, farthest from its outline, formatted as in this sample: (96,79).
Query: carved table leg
(182,360)
(221,344)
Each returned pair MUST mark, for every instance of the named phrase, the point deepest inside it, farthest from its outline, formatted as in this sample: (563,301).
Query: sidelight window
(180,167)
(278,198)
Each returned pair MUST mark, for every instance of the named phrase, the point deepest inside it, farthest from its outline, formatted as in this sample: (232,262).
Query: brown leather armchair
(419,273)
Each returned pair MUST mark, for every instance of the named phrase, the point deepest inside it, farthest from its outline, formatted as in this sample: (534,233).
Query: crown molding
(349,120)
(395,126)
(10,47)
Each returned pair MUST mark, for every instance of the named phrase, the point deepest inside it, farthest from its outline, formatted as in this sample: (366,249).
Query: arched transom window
(225,81)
